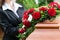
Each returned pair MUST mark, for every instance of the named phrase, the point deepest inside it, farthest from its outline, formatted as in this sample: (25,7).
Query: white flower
(23,26)
(30,18)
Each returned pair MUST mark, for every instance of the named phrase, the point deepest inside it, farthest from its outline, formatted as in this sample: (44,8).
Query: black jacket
(9,23)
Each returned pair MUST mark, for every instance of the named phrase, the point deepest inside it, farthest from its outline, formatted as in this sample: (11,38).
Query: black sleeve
(6,26)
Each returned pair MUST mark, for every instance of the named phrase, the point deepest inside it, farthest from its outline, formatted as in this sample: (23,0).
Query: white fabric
(7,6)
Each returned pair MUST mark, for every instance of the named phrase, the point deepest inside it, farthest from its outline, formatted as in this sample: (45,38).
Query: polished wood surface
(46,31)
(49,24)
(45,34)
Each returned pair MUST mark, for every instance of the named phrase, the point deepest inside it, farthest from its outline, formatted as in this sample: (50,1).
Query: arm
(6,26)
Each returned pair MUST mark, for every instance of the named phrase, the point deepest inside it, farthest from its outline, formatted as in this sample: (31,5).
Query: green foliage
(32,4)
(42,2)
(19,1)
(50,1)
(29,31)
(29,4)
(20,25)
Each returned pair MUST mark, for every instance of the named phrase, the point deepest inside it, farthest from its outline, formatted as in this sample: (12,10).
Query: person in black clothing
(10,16)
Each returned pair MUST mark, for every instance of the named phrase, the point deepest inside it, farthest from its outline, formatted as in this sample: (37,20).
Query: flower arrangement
(34,15)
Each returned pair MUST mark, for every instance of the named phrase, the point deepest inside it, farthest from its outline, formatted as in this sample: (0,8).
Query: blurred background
(33,3)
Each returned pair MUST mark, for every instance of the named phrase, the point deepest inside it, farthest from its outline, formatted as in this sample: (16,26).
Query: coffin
(49,24)
(46,30)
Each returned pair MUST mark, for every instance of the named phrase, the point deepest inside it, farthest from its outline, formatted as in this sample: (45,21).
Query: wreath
(34,15)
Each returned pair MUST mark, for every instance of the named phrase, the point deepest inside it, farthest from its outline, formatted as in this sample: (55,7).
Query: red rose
(36,15)
(21,30)
(53,4)
(43,8)
(31,10)
(25,16)
(52,12)
(26,23)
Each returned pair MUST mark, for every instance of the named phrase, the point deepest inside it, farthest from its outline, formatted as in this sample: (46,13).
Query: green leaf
(58,12)
(18,36)
(20,25)
(29,31)
(23,35)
